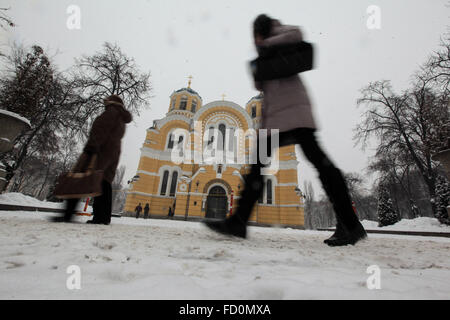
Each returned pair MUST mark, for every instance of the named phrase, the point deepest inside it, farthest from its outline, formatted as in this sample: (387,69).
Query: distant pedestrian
(138,210)
(287,108)
(146,210)
(172,210)
(104,143)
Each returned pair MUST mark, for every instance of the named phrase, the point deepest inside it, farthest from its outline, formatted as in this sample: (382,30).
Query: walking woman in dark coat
(287,108)
(146,210)
(105,142)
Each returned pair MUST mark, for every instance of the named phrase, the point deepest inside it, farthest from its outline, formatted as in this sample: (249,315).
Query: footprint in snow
(14,264)
(104,245)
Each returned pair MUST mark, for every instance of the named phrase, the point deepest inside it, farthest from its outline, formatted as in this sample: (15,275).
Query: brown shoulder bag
(78,185)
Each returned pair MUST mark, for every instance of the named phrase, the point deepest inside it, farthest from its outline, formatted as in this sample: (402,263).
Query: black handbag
(282,61)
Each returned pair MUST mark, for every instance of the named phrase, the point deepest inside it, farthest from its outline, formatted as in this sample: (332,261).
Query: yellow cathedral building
(193,190)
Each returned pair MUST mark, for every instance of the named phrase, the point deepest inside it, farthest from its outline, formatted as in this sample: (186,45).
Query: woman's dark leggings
(330,176)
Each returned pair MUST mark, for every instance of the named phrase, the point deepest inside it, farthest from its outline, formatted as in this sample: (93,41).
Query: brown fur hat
(113,99)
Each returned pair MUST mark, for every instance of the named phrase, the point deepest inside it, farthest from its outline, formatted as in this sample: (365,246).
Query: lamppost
(299,192)
(130,182)
(188,197)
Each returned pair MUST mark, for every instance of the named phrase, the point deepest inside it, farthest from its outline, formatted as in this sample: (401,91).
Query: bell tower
(254,109)
(185,101)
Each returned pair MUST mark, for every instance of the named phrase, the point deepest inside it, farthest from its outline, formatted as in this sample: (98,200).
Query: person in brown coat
(105,142)
(287,108)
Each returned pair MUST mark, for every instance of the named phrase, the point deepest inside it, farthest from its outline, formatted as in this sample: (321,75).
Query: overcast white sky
(212,41)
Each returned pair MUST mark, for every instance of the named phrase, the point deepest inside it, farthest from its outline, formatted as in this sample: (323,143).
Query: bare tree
(436,70)
(38,172)
(5,20)
(354,183)
(363,198)
(405,125)
(308,193)
(109,72)
(34,89)
(409,127)
(61,107)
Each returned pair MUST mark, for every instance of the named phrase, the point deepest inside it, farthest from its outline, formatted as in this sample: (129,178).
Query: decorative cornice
(186,113)
(153,130)
(162,122)
(149,195)
(156,154)
(281,205)
(157,174)
(147,173)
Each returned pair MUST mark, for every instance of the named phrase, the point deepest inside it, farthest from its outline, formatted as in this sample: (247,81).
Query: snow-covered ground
(417,224)
(19,199)
(165,259)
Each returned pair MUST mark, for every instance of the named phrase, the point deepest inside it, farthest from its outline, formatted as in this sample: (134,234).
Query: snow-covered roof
(15,115)
(189,90)
(257,97)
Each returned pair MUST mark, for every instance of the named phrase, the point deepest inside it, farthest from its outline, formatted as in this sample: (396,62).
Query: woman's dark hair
(262,25)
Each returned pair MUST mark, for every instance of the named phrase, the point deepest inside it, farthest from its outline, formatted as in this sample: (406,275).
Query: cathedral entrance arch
(216,203)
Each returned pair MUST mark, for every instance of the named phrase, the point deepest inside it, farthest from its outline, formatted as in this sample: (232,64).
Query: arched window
(180,145)
(221,142)
(261,195)
(183,103)
(170,143)
(164,183)
(269,192)
(194,106)
(260,199)
(173,103)
(210,135)
(173,185)
(253,111)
